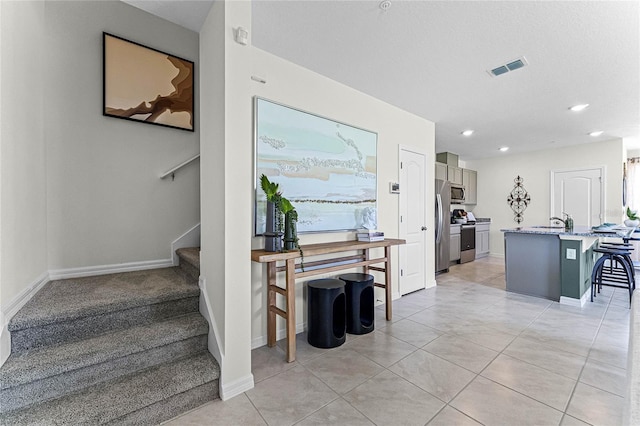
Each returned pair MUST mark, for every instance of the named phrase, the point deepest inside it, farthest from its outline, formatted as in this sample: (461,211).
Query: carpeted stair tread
(190,255)
(112,400)
(64,300)
(50,361)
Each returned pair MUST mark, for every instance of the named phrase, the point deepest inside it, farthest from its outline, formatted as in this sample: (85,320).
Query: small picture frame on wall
(147,85)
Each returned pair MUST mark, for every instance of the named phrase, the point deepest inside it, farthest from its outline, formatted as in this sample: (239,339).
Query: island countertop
(578,231)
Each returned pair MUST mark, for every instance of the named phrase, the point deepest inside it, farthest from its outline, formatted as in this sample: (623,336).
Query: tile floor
(463,353)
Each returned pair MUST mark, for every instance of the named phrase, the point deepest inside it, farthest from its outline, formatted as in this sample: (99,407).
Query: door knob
(424,228)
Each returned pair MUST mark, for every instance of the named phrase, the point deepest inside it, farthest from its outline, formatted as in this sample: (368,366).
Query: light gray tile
(388,399)
(452,417)
(493,404)
(411,332)
(381,348)
(237,410)
(542,385)
(304,351)
(339,412)
(613,335)
(486,336)
(290,396)
(567,420)
(435,375)
(596,406)
(343,370)
(559,340)
(461,352)
(605,376)
(440,321)
(267,362)
(612,355)
(547,357)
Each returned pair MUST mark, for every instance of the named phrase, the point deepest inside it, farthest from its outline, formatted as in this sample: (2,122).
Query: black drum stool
(326,313)
(360,303)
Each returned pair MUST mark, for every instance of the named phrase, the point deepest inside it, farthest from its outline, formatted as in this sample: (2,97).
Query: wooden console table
(293,272)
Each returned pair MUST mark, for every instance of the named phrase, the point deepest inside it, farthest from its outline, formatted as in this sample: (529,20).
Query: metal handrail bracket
(172,172)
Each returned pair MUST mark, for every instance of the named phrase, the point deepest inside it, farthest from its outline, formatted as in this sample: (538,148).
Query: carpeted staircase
(127,348)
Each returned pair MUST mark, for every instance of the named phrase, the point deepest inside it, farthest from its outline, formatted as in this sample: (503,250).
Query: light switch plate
(571,254)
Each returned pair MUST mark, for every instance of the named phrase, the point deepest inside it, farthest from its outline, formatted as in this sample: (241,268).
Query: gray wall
(105,202)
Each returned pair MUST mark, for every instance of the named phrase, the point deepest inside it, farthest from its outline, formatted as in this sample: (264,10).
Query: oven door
(467,243)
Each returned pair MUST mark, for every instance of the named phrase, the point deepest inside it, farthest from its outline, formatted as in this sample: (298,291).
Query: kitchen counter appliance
(467,242)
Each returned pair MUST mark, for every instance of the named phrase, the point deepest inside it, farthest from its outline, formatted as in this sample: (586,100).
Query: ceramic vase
(272,238)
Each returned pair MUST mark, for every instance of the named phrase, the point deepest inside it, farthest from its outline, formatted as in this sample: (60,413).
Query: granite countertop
(580,231)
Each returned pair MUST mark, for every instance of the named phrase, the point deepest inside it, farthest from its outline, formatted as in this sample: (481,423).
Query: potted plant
(633,220)
(273,232)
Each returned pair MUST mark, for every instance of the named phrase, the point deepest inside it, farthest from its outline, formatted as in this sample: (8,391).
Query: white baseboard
(213,343)
(579,303)
(6,313)
(191,238)
(229,390)
(431,284)
(87,271)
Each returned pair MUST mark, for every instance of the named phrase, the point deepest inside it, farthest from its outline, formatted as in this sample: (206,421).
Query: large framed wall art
(327,169)
(147,85)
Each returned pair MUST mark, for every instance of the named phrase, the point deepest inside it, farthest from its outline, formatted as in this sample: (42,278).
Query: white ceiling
(431,57)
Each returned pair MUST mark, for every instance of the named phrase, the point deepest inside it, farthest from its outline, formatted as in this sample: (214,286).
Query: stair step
(190,260)
(73,309)
(172,388)
(45,373)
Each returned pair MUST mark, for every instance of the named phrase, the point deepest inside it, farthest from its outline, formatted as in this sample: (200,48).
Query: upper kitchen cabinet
(441,171)
(450,162)
(470,182)
(454,175)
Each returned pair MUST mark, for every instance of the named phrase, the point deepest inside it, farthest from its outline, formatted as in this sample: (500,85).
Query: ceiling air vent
(511,66)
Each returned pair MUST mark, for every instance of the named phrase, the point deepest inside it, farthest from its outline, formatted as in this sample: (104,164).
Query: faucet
(567,222)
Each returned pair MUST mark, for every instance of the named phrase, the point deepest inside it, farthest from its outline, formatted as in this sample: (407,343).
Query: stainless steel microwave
(457,193)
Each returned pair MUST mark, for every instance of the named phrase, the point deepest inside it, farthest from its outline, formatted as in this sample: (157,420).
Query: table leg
(387,281)
(291,310)
(271,301)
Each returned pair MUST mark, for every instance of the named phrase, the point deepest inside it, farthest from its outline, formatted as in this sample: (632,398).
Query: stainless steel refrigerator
(442,222)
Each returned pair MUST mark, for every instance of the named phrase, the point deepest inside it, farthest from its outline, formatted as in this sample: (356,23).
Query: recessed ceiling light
(594,134)
(504,148)
(580,107)
(467,132)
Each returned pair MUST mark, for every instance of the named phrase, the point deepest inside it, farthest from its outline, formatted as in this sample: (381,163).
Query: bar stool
(626,247)
(326,325)
(612,269)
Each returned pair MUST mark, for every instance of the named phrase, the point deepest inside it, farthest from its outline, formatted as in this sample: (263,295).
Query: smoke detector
(385,5)
(516,64)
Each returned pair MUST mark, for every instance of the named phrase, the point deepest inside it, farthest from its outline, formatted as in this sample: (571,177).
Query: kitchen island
(550,262)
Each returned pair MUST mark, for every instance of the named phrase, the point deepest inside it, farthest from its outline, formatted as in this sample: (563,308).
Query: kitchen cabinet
(454,174)
(483,232)
(454,246)
(441,171)
(470,182)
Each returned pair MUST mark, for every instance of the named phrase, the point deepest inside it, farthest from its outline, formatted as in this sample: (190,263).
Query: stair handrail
(172,172)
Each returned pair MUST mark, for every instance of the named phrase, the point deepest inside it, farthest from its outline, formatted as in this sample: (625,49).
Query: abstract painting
(144,84)
(327,169)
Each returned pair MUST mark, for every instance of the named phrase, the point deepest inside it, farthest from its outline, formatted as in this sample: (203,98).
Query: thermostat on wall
(394,187)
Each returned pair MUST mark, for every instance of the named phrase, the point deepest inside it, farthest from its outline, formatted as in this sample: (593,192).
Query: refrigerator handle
(439,225)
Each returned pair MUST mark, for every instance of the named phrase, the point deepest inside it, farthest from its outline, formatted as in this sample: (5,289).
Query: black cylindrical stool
(360,301)
(326,313)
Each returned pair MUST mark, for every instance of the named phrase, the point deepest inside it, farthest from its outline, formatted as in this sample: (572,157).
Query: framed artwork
(327,169)
(147,85)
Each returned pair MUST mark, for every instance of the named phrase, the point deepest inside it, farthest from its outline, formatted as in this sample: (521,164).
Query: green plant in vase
(633,220)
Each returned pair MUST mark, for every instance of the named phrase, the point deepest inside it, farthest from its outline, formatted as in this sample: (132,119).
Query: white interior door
(412,255)
(580,194)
